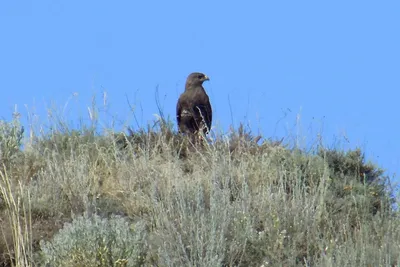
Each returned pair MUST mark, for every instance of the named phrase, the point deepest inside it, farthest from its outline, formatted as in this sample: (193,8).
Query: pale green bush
(96,241)
(11,134)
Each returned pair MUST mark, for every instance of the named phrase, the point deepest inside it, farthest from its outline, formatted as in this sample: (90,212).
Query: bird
(193,110)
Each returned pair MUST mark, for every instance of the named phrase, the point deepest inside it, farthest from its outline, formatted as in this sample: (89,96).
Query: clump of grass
(16,244)
(19,252)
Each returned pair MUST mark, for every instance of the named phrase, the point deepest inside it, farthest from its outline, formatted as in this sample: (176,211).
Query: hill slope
(77,198)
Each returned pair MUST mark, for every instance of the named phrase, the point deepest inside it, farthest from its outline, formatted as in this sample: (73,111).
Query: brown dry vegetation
(151,198)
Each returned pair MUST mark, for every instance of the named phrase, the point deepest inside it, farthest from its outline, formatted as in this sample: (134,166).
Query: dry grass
(18,213)
(235,201)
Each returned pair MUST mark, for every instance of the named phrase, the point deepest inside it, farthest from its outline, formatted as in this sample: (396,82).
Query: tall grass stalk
(19,217)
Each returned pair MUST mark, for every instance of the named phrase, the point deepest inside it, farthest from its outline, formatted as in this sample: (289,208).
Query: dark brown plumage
(193,110)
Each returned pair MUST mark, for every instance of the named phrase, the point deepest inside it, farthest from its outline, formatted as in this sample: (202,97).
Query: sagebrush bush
(11,135)
(95,241)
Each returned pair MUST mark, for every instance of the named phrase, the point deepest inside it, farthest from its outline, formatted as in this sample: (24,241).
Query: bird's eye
(200,76)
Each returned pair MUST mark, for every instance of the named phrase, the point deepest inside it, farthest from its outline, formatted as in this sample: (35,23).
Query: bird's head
(196,79)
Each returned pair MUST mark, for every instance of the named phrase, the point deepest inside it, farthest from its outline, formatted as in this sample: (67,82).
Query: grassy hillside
(150,198)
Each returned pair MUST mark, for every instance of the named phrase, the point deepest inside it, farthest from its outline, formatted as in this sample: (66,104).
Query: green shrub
(11,134)
(358,183)
(97,242)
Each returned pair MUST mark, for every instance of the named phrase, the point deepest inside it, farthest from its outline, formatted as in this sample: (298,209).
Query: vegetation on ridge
(151,198)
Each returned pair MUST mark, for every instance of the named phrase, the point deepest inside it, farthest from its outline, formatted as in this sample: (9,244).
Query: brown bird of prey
(193,111)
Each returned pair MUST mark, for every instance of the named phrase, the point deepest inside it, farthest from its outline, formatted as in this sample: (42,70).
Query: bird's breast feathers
(186,113)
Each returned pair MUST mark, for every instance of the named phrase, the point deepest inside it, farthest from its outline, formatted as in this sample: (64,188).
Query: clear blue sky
(335,65)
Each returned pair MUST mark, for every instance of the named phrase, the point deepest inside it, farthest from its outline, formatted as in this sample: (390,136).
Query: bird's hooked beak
(206,78)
